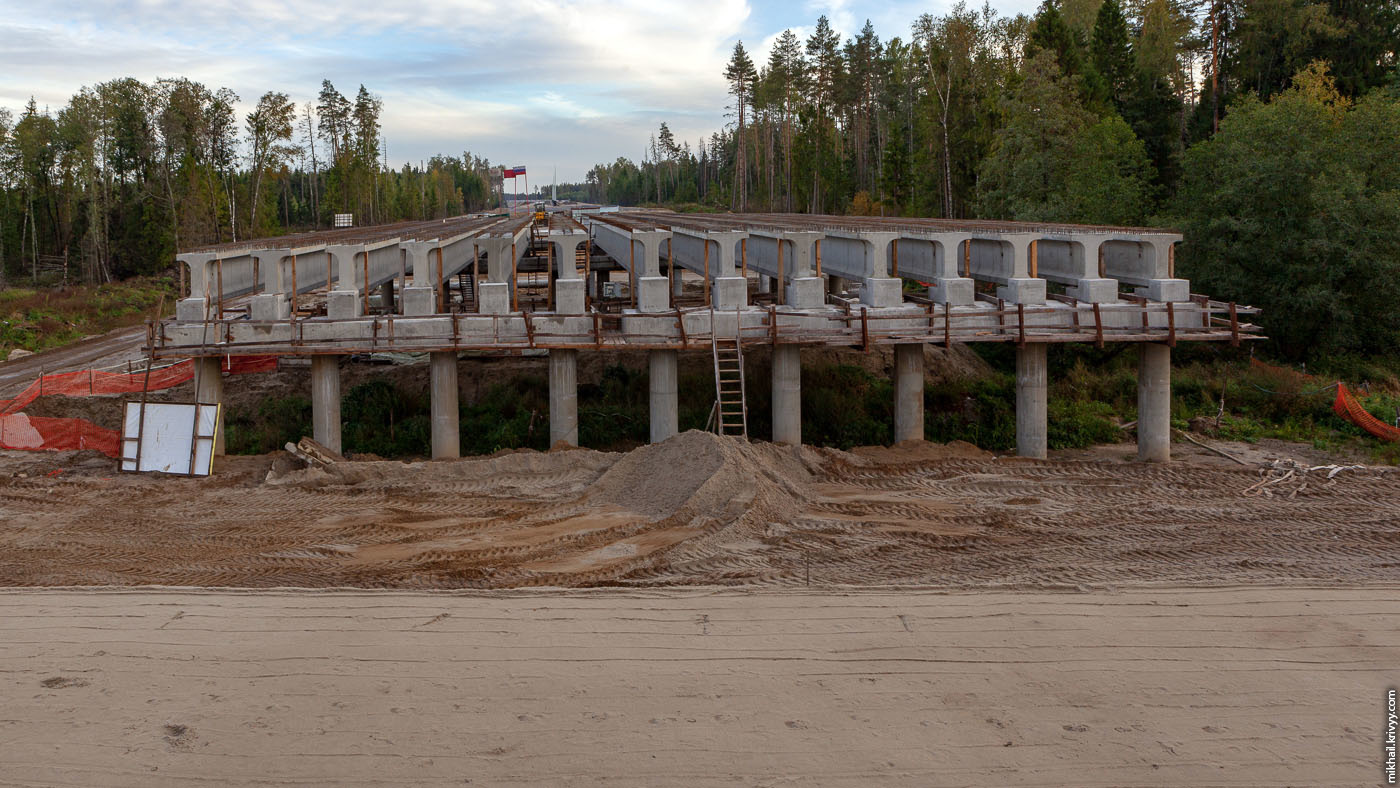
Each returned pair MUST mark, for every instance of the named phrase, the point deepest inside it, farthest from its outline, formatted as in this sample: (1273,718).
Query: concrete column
(787,394)
(447,436)
(386,296)
(1032,424)
(835,285)
(563,397)
(677,286)
(325,401)
(210,375)
(765,284)
(908,392)
(1154,427)
(665,418)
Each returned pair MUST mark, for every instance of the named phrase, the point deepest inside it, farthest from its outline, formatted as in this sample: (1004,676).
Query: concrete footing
(209,376)
(908,392)
(665,416)
(446,430)
(1154,426)
(1032,424)
(563,397)
(325,401)
(787,394)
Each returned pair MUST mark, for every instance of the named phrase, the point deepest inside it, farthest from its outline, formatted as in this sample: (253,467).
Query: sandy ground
(1223,687)
(700,510)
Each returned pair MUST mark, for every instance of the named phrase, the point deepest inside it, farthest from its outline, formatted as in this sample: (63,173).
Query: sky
(540,83)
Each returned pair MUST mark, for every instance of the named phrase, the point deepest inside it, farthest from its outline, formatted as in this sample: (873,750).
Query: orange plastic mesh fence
(22,431)
(91,382)
(1346,406)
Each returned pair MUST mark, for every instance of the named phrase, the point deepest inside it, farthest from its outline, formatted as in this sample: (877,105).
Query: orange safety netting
(22,431)
(1348,408)
(90,382)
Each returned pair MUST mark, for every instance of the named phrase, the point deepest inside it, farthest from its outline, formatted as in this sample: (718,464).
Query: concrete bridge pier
(1032,422)
(787,394)
(1154,426)
(835,285)
(908,392)
(386,297)
(665,416)
(325,401)
(209,374)
(563,397)
(446,419)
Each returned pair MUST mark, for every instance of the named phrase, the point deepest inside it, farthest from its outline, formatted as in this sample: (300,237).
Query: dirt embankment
(698,509)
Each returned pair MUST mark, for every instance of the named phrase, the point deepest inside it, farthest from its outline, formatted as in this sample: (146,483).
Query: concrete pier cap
(879,288)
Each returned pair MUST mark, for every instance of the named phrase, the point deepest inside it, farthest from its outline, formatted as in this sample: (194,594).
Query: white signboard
(172,437)
(345,220)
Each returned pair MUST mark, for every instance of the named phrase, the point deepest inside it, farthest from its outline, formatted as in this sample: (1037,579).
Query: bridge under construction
(515,283)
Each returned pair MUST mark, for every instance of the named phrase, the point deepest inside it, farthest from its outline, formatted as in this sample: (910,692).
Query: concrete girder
(638,251)
(714,253)
(936,258)
(864,256)
(789,256)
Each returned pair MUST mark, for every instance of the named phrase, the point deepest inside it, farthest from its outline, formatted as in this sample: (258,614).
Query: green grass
(39,319)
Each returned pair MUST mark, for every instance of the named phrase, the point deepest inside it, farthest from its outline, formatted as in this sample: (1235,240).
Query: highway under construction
(546,281)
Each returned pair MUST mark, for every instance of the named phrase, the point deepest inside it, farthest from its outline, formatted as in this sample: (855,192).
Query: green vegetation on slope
(38,319)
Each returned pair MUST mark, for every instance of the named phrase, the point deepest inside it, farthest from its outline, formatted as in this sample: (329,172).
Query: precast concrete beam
(789,256)
(1005,260)
(1148,263)
(936,258)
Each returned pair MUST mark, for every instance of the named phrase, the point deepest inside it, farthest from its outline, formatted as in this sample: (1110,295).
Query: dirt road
(698,510)
(1224,687)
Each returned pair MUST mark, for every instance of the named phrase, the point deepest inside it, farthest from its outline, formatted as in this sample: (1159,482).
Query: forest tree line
(113,183)
(1268,131)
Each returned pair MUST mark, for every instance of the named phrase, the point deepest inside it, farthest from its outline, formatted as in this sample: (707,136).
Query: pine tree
(740,74)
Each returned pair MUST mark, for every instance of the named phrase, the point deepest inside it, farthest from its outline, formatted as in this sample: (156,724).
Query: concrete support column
(908,392)
(677,286)
(765,284)
(1154,427)
(1032,423)
(835,285)
(446,433)
(325,401)
(665,417)
(209,371)
(563,397)
(386,296)
(787,394)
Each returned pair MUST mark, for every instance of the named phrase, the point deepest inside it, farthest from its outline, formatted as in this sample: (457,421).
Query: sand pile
(700,474)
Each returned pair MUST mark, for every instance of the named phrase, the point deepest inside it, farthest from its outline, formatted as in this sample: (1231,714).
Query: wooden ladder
(731,406)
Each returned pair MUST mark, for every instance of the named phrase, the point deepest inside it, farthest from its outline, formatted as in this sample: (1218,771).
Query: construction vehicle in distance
(541,217)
